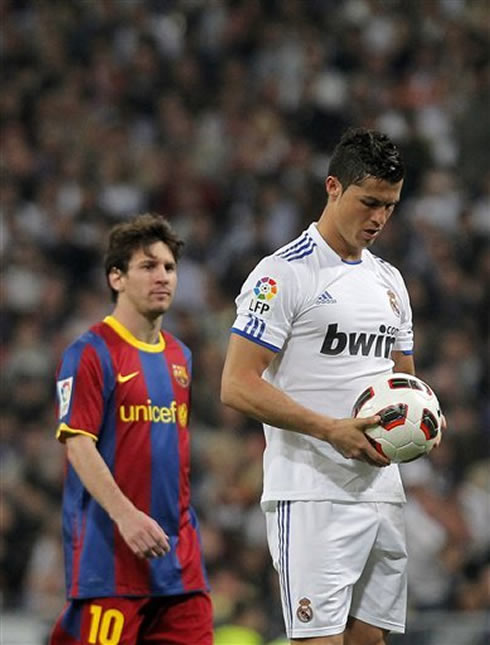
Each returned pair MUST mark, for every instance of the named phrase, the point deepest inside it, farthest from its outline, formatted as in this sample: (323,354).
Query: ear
(116,279)
(333,187)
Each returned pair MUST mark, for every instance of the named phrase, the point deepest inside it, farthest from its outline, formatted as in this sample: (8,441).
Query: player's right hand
(143,535)
(348,437)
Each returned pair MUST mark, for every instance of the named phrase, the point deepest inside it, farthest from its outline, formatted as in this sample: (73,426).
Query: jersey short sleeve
(267,304)
(81,390)
(404,338)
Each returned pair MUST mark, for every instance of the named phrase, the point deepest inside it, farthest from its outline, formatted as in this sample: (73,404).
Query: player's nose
(379,216)
(161,274)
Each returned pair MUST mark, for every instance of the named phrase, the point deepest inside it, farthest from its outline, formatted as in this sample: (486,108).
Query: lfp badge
(64,388)
(264,291)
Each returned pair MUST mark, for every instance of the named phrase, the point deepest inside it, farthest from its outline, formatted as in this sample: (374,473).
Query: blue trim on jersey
(239,332)
(302,249)
(281,564)
(307,242)
(351,262)
(303,255)
(293,245)
(288,534)
(284,526)
(164,502)
(407,352)
(255,327)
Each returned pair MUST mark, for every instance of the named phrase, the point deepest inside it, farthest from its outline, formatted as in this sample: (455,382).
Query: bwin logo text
(358,343)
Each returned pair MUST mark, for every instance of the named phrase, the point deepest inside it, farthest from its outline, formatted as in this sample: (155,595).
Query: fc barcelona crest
(181,375)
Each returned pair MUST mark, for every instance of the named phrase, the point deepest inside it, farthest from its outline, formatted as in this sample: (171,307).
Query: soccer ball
(410,414)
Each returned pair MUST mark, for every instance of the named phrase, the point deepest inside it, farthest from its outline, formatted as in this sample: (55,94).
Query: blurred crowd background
(222,115)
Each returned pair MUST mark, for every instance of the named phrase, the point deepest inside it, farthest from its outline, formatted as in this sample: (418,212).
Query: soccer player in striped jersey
(133,562)
(316,321)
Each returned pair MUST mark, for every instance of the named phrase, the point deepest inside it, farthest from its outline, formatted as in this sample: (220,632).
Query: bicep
(245,360)
(88,463)
(80,448)
(403,362)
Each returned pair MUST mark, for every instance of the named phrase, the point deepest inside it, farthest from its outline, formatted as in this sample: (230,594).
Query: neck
(147,330)
(334,239)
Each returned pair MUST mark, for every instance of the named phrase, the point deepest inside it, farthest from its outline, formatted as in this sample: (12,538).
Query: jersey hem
(93,593)
(313,632)
(399,628)
(309,497)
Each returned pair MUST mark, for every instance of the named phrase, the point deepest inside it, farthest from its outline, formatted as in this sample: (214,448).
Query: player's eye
(370,203)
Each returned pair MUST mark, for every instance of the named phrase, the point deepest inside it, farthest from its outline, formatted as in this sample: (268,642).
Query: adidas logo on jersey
(325,299)
(335,342)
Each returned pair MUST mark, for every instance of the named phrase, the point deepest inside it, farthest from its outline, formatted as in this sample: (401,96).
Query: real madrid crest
(180,375)
(304,611)
(394,302)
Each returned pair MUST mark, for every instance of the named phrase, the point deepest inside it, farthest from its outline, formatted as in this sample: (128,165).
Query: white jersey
(333,325)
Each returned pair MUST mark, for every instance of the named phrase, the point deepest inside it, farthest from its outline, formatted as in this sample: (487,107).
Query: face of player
(358,214)
(148,286)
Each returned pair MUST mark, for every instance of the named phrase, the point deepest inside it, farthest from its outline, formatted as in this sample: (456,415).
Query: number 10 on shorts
(105,626)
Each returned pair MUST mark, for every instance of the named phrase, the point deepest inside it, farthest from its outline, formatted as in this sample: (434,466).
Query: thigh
(99,621)
(360,633)
(380,597)
(319,550)
(179,620)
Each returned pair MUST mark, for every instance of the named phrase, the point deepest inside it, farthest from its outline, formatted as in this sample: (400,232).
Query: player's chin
(158,309)
(367,240)
(161,303)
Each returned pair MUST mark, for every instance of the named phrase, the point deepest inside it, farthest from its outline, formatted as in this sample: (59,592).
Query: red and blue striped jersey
(133,398)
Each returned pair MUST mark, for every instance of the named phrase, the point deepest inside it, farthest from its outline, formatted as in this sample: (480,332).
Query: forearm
(96,476)
(244,389)
(260,400)
(143,535)
(403,362)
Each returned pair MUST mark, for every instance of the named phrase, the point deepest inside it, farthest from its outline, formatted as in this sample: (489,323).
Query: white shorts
(336,560)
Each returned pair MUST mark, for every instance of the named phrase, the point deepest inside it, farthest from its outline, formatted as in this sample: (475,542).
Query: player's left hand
(143,535)
(348,437)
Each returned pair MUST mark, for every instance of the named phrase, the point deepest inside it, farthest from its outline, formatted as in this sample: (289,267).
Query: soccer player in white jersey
(316,322)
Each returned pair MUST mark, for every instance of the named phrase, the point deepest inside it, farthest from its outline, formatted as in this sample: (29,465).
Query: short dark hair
(363,153)
(138,232)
